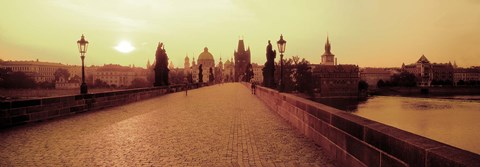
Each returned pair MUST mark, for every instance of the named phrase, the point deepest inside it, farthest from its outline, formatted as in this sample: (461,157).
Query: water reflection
(350,105)
(450,119)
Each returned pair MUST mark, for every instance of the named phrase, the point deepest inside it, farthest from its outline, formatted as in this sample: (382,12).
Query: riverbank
(13,94)
(426,91)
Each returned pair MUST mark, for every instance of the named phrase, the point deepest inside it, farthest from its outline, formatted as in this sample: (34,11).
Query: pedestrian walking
(186,88)
(254,86)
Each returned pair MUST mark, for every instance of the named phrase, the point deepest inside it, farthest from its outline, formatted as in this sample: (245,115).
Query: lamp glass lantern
(282,44)
(82,45)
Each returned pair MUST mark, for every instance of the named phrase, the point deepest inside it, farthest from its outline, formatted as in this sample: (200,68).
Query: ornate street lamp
(82,47)
(281,48)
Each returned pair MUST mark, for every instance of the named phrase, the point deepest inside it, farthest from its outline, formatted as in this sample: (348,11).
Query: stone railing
(25,111)
(351,140)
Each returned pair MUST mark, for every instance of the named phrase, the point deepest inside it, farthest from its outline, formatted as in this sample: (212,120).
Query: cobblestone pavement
(220,125)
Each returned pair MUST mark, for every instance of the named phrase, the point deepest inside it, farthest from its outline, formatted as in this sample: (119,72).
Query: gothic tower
(148,64)
(242,60)
(328,58)
(186,65)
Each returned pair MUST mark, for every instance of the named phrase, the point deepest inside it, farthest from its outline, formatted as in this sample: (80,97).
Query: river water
(452,120)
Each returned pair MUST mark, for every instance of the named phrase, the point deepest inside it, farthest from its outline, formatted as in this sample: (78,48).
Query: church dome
(205,55)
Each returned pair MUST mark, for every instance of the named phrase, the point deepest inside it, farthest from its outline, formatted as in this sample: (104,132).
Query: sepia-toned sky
(368,32)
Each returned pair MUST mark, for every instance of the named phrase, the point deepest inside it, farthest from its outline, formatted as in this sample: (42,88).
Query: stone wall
(25,111)
(351,140)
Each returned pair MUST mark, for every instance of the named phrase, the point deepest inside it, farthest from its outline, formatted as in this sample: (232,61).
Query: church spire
(171,65)
(327,46)
(328,58)
(241,46)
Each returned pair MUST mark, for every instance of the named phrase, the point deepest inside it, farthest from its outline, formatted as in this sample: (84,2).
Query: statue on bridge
(200,75)
(269,68)
(161,66)
(210,75)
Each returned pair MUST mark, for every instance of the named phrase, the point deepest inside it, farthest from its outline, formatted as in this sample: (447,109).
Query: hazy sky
(366,32)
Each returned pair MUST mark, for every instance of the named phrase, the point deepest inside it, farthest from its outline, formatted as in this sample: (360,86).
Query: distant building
(44,72)
(64,83)
(373,75)
(149,66)
(336,80)
(121,76)
(466,75)
(194,71)
(332,80)
(427,72)
(242,60)
(219,72)
(443,72)
(171,66)
(38,71)
(257,73)
(186,66)
(229,71)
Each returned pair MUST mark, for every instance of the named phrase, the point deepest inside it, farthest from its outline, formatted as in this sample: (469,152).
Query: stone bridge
(219,125)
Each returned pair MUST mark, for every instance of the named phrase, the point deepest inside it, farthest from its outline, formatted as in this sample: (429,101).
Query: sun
(124,47)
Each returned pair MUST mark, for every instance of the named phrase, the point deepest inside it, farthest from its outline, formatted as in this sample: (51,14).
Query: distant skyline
(369,33)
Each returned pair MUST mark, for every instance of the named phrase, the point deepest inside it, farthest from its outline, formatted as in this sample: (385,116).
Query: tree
(380,84)
(289,85)
(388,83)
(448,82)
(16,80)
(404,79)
(303,77)
(295,59)
(362,85)
(100,84)
(139,83)
(5,73)
(61,72)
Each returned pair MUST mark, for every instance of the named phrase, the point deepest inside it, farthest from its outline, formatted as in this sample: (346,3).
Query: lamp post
(281,48)
(82,47)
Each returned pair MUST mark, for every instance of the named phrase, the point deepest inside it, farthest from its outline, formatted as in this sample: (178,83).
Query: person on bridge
(186,87)
(254,86)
